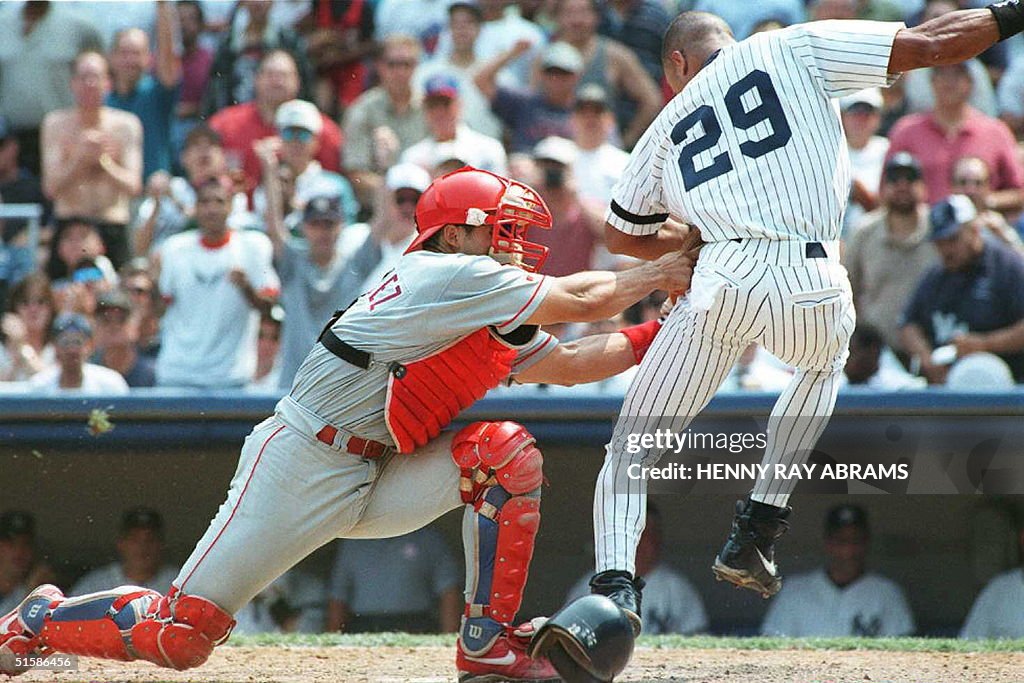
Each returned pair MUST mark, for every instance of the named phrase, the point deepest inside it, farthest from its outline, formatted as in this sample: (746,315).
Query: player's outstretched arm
(597,295)
(589,359)
(670,237)
(955,36)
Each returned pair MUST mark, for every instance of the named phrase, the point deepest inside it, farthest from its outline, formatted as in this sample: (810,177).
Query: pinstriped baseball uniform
(752,151)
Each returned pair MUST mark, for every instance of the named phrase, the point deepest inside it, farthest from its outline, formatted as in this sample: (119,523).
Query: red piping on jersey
(527,304)
(531,354)
(210,244)
(245,488)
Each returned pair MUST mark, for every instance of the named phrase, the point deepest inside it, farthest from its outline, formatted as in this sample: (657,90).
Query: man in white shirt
(842,598)
(140,548)
(214,281)
(671,603)
(442,109)
(72,339)
(599,164)
(862,116)
(998,611)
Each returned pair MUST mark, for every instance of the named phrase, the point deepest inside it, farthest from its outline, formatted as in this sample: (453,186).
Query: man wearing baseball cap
(140,549)
(319,274)
(973,300)
(72,338)
(842,598)
(442,108)
(116,337)
(862,116)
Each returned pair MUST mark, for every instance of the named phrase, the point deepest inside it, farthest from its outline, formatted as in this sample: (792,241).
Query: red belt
(355,445)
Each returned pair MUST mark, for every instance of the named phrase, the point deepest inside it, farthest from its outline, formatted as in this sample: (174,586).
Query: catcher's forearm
(589,359)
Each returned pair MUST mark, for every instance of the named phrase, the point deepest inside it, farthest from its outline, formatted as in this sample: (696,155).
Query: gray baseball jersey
(425,304)
(753,146)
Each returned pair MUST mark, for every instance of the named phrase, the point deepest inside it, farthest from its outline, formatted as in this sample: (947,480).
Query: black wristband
(1009,16)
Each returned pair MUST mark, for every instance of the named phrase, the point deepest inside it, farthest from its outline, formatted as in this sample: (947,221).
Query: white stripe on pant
(799,309)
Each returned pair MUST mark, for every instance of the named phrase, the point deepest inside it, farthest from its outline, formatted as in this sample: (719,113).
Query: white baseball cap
(401,176)
(299,114)
(558,149)
(869,96)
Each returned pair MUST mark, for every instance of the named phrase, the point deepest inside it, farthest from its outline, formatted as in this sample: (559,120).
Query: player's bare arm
(673,236)
(592,358)
(596,295)
(955,36)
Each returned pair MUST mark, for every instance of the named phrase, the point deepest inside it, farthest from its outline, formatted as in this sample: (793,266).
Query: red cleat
(16,639)
(506,660)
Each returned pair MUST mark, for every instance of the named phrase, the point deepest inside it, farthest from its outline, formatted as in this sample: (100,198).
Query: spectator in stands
(393,226)
(240,126)
(26,329)
(214,281)
(140,551)
(639,25)
(576,233)
(973,300)
(955,129)
(821,10)
(998,611)
(116,337)
(318,274)
(241,56)
(501,29)
(420,19)
(268,349)
(196,61)
(92,157)
(872,364)
(18,185)
(386,120)
(743,16)
(299,126)
(531,116)
(40,43)
(918,83)
(842,598)
(338,45)
(136,90)
(599,164)
(20,568)
(889,252)
(442,109)
(293,603)
(611,65)
(1010,97)
(138,281)
(671,604)
(72,341)
(419,592)
(862,115)
(77,239)
(464,20)
(170,203)
(972,179)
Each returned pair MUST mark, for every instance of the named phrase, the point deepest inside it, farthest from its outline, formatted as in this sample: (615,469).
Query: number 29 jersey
(753,147)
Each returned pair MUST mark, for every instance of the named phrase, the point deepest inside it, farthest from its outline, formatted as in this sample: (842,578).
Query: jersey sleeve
(637,206)
(488,293)
(534,351)
(845,56)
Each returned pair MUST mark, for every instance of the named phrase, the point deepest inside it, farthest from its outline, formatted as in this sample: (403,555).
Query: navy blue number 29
(770,110)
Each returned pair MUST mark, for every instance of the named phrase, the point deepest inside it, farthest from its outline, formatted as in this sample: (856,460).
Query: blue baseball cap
(947,216)
(442,85)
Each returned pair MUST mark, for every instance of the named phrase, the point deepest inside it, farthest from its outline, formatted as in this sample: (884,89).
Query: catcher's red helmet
(470,196)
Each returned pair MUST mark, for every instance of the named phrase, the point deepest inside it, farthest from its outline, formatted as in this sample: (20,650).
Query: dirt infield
(430,664)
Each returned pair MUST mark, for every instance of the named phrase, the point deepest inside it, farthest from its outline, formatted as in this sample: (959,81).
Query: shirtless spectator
(92,156)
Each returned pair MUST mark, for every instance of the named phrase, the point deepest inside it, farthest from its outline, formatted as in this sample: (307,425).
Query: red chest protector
(424,396)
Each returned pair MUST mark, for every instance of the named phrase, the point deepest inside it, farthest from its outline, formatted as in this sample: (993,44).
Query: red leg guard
(517,529)
(128,623)
(496,453)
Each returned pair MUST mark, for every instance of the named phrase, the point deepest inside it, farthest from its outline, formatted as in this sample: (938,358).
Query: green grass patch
(664,642)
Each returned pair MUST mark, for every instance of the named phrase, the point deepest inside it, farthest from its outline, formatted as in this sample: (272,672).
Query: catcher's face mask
(520,209)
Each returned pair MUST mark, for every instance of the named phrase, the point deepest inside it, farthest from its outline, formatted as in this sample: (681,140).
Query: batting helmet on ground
(588,641)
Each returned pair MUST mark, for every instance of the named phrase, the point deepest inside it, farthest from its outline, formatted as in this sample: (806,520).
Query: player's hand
(676,270)
(692,239)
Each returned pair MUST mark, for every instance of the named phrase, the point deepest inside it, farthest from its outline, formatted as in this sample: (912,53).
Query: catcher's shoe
(506,660)
(17,638)
(748,558)
(622,589)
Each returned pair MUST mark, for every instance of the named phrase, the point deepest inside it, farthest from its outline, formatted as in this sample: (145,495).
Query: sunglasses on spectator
(296,134)
(974,182)
(407,198)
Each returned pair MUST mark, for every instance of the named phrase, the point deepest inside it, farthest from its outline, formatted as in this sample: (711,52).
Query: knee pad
(128,623)
(496,454)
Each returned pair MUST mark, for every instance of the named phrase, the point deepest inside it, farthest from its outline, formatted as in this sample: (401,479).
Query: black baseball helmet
(589,640)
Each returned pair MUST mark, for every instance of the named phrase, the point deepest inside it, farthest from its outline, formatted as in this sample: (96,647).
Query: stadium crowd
(218,177)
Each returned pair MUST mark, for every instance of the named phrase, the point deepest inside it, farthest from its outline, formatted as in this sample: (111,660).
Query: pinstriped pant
(799,309)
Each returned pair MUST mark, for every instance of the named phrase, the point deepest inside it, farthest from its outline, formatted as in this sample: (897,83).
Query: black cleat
(748,558)
(622,589)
